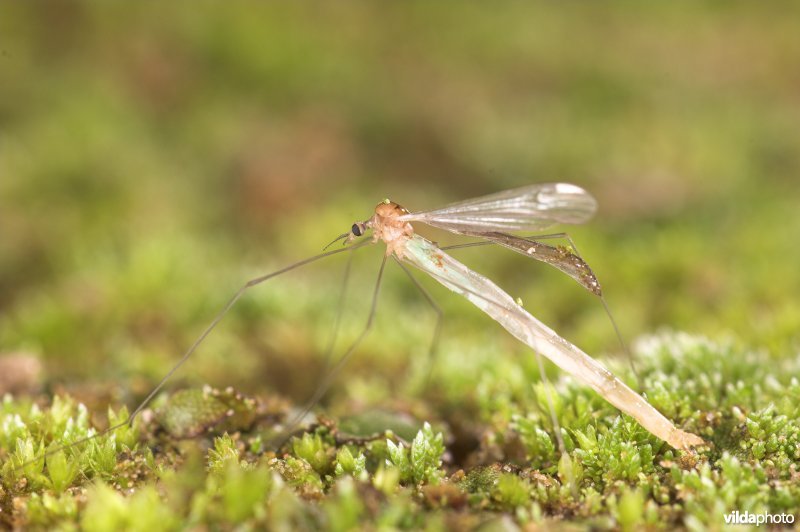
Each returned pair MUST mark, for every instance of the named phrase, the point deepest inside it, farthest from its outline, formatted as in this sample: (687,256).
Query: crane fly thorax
(387,226)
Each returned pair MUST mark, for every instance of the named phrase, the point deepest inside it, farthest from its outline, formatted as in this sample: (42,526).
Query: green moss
(348,464)
(615,472)
(107,509)
(511,491)
(422,462)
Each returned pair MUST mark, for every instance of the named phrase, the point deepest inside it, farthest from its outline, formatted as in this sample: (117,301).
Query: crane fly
(528,208)
(489,218)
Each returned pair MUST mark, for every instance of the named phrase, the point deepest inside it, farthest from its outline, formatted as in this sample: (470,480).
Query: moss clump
(614,472)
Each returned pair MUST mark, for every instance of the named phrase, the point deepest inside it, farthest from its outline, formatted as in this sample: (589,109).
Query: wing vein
(528,208)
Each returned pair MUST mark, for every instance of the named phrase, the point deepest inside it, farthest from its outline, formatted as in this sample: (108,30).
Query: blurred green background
(155,156)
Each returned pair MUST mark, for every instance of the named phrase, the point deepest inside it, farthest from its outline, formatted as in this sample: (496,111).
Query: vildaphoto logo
(746,518)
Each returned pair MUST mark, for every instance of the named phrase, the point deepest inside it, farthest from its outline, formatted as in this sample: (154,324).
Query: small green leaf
(225,452)
(630,509)
(312,449)
(511,491)
(61,471)
(346,463)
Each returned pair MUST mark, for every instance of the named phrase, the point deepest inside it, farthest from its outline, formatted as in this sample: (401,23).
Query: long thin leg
(565,236)
(439,317)
(248,285)
(562,448)
(336,368)
(339,311)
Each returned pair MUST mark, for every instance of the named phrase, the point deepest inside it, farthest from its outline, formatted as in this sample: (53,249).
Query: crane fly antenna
(332,242)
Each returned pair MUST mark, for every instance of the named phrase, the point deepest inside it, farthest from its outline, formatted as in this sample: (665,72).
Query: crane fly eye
(356,230)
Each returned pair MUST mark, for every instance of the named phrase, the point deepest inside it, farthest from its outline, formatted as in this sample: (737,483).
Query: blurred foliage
(153,158)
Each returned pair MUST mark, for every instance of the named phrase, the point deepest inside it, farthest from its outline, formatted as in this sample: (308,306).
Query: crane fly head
(358,229)
(382,222)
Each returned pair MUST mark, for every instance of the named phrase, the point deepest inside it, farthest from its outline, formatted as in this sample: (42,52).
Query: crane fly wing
(530,208)
(559,257)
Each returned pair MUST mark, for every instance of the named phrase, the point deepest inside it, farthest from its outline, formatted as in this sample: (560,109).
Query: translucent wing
(528,208)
